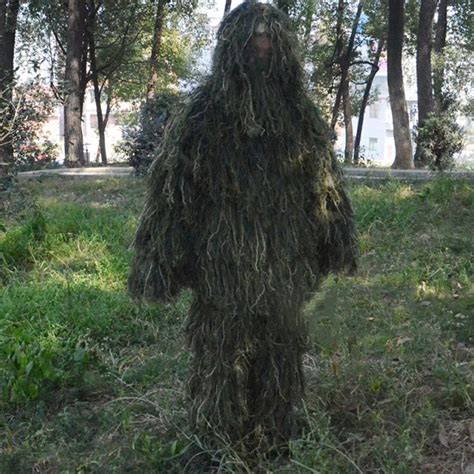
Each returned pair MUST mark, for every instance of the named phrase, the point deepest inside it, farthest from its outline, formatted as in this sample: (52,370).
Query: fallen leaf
(443,440)
(402,340)
(471,431)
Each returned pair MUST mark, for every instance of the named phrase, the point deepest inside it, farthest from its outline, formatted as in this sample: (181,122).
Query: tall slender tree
(424,79)
(227,7)
(160,14)
(365,98)
(8,22)
(423,59)
(344,52)
(73,141)
(92,10)
(438,47)
(396,89)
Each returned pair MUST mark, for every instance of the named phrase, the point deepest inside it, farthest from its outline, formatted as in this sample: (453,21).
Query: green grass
(91,382)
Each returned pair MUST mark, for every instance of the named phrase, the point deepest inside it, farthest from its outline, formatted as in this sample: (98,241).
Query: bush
(30,107)
(438,140)
(37,155)
(141,140)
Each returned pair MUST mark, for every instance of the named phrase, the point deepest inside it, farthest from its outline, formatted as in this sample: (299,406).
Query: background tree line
(138,50)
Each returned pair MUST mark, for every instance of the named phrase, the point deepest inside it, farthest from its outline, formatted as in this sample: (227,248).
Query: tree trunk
(8,22)
(346,103)
(423,68)
(438,47)
(73,141)
(365,99)
(95,81)
(84,79)
(396,89)
(345,56)
(108,108)
(156,49)
(228,6)
(423,60)
(336,59)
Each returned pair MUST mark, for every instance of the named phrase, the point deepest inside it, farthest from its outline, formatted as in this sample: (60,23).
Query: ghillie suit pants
(246,207)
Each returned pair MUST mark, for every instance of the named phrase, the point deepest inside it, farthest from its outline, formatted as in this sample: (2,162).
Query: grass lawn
(91,382)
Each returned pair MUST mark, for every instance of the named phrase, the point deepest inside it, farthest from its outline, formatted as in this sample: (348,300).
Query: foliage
(123,33)
(140,141)
(31,151)
(440,139)
(456,65)
(34,157)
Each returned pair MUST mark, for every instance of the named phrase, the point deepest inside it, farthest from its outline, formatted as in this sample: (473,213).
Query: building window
(373,142)
(374,111)
(94,123)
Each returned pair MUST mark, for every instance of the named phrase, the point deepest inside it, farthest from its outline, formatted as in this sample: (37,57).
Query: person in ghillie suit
(246,207)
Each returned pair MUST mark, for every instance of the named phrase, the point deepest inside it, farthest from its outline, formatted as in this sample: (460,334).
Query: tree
(365,98)
(423,65)
(73,142)
(374,38)
(8,22)
(156,46)
(227,7)
(438,47)
(401,125)
(337,49)
(163,10)
(344,91)
(95,79)
(111,41)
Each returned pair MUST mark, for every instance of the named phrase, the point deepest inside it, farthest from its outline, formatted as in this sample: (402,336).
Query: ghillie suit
(246,207)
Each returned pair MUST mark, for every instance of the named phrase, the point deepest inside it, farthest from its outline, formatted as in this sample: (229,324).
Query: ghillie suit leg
(247,208)
(246,374)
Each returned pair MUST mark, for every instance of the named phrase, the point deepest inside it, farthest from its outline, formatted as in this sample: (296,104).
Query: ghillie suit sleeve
(247,208)
(328,204)
(164,261)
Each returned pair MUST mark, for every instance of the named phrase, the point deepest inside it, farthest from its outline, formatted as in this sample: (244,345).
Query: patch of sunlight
(405,192)
(427,290)
(51,201)
(81,252)
(53,338)
(364,192)
(100,205)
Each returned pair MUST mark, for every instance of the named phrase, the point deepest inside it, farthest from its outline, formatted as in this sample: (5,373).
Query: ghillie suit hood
(246,207)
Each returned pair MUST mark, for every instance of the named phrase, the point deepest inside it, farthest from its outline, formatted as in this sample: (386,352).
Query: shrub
(38,155)
(141,140)
(439,139)
(32,105)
